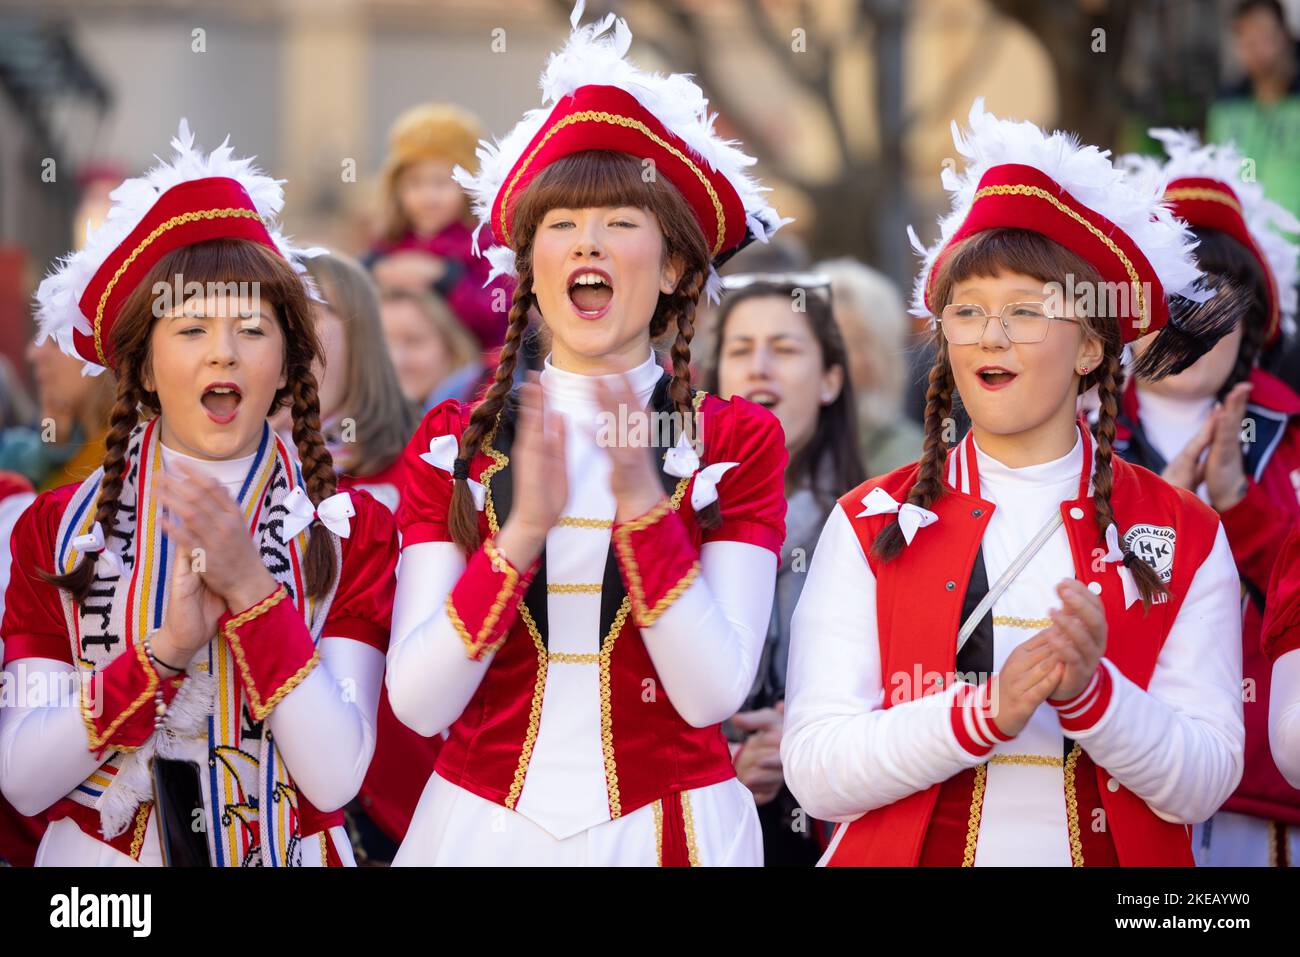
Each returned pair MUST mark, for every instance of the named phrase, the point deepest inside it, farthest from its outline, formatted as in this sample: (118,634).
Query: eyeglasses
(963,324)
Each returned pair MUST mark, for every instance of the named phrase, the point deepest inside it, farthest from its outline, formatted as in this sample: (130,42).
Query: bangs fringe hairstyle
(218,261)
(593,178)
(986,254)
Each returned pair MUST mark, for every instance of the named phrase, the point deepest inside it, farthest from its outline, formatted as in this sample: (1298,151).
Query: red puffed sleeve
(422,514)
(120,700)
(33,624)
(655,554)
(1281,631)
(363,603)
(271,643)
(751,496)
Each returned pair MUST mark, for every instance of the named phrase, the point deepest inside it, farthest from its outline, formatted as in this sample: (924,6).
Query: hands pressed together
(1213,456)
(215,565)
(1056,663)
(539,450)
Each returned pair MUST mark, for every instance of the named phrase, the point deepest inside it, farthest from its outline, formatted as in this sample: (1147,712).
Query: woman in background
(434,357)
(366,422)
(68,441)
(778,345)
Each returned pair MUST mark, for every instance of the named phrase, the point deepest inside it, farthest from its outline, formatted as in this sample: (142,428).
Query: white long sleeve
(843,753)
(430,679)
(1284,716)
(325,727)
(1179,745)
(44,749)
(706,645)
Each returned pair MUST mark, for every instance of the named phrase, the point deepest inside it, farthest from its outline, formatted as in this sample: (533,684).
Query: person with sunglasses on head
(1023,650)
(778,345)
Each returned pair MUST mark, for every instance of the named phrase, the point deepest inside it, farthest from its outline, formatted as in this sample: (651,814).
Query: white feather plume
(1085,172)
(1266,220)
(57,312)
(595,54)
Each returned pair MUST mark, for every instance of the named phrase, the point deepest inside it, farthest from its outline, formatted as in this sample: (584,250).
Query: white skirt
(65,844)
(454,827)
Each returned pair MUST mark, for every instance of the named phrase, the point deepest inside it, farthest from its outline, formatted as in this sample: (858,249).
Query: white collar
(577,391)
(229,472)
(1043,475)
(1173,412)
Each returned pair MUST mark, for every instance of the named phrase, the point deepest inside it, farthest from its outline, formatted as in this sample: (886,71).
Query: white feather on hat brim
(1086,173)
(57,311)
(1266,220)
(595,55)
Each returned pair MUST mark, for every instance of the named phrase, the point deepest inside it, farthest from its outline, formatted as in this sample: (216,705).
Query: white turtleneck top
(324,729)
(705,648)
(1177,744)
(1171,423)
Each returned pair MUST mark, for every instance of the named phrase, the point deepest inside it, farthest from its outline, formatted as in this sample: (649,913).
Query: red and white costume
(1281,642)
(888,728)
(278,710)
(19,834)
(1260,823)
(872,737)
(583,696)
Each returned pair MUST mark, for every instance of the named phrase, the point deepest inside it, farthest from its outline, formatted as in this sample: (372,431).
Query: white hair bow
(681,461)
(910,517)
(442,453)
(333,513)
(107,562)
(705,490)
(1116,554)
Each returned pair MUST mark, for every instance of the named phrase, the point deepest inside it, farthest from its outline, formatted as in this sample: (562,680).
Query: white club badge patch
(1154,544)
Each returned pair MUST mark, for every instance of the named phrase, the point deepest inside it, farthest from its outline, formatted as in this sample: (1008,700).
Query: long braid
(681,311)
(462,516)
(123,418)
(318,474)
(929,477)
(1108,377)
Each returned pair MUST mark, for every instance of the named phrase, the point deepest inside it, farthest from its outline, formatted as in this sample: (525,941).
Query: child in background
(426,243)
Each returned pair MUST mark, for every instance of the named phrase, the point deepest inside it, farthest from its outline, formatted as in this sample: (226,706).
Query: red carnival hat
(600,101)
(195,197)
(1018,176)
(1205,187)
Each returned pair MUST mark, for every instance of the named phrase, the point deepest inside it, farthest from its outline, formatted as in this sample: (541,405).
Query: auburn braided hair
(1032,254)
(225,261)
(594,178)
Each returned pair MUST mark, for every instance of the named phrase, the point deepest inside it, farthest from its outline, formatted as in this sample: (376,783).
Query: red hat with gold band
(1019,177)
(1206,188)
(600,101)
(194,198)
